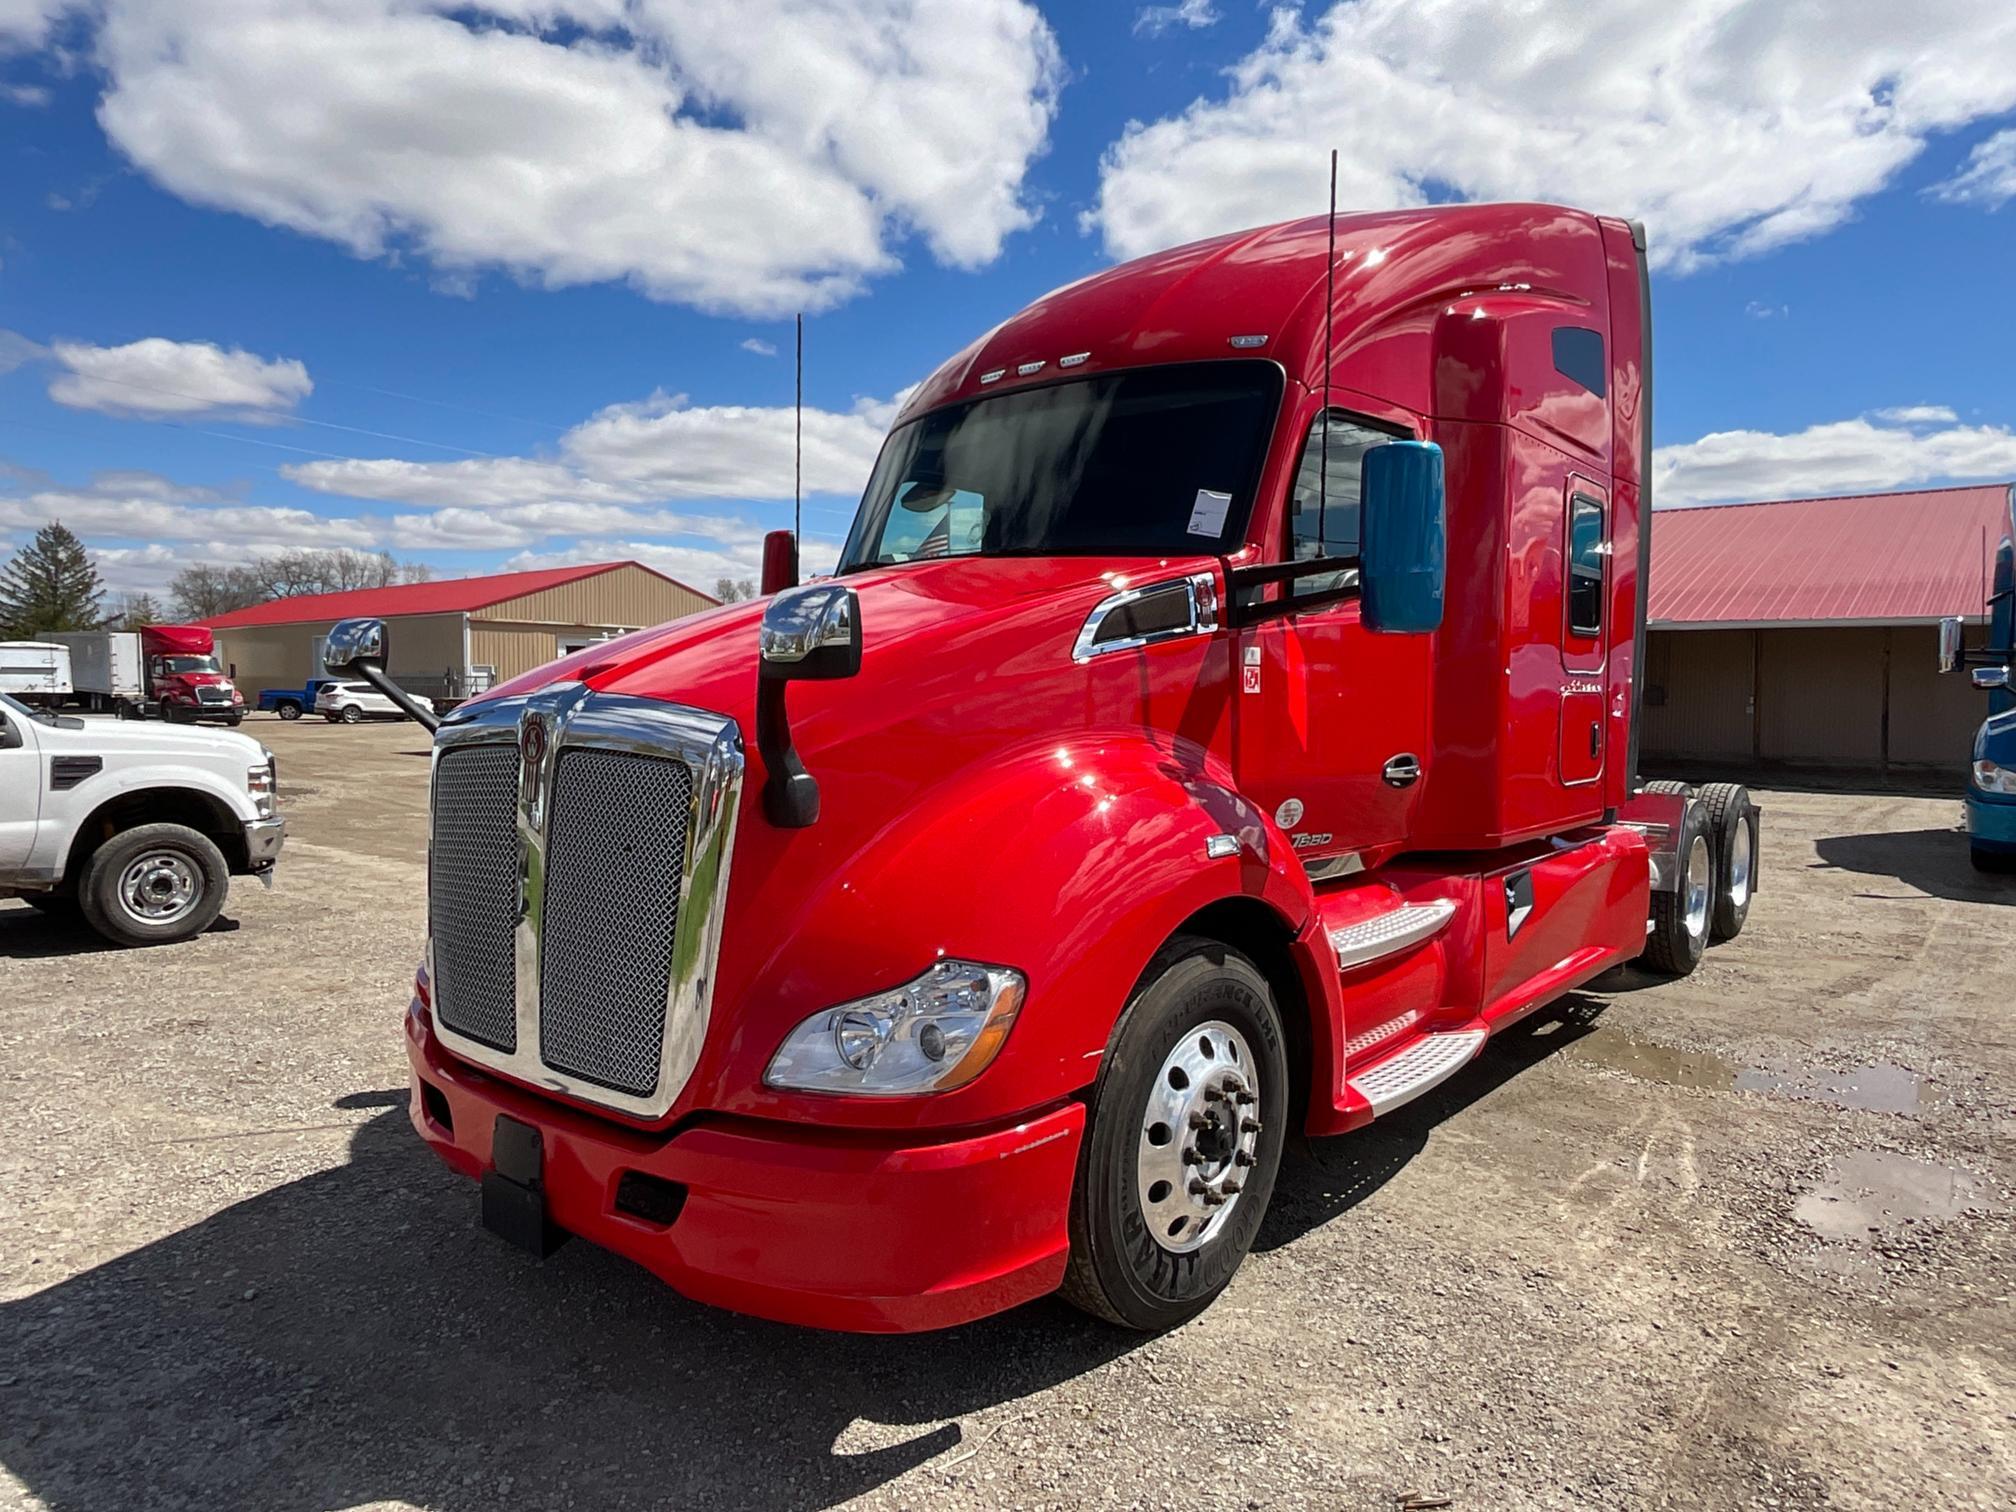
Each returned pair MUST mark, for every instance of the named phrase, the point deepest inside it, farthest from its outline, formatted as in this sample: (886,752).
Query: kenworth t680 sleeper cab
(1222,721)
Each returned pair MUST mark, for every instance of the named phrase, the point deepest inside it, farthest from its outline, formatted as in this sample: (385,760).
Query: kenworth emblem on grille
(532,764)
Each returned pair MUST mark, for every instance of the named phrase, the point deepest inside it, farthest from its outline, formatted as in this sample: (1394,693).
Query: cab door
(1330,720)
(1585,602)
(20,788)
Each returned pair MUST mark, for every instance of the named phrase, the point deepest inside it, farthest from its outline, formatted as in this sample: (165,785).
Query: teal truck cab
(1991,776)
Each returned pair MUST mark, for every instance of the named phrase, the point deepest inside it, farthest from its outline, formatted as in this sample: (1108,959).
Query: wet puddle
(1878,1088)
(1870,1193)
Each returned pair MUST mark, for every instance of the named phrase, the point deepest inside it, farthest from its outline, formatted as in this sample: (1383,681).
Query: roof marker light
(1076,359)
(992,375)
(1246,343)
(1024,369)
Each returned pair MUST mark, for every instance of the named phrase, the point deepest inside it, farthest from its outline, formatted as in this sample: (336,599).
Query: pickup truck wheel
(287,709)
(1187,1124)
(1732,830)
(352,714)
(153,884)
(1679,935)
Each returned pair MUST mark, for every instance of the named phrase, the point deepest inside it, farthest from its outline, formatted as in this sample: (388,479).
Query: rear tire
(1994,862)
(1733,832)
(287,709)
(352,714)
(1679,935)
(1146,1253)
(153,884)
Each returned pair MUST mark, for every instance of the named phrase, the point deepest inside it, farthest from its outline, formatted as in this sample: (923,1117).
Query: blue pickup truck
(1990,804)
(292,703)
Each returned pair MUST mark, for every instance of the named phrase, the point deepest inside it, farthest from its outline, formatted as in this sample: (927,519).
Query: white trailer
(106,667)
(36,672)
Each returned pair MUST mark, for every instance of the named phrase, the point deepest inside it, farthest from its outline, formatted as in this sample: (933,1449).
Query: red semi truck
(171,670)
(1222,722)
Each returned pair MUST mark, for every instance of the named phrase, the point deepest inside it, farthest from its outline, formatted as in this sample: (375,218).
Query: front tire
(154,884)
(1993,862)
(1187,1124)
(352,714)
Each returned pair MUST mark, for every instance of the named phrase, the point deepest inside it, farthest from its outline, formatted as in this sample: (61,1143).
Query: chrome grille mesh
(472,892)
(616,845)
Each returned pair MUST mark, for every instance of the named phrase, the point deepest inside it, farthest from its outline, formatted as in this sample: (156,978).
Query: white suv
(349,702)
(139,827)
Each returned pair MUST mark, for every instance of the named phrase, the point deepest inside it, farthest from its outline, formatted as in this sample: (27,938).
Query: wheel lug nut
(1191,1157)
(1199,1121)
(1213,1094)
(1244,1099)
(1242,1158)
(1233,1188)
(1200,1189)
(1249,1126)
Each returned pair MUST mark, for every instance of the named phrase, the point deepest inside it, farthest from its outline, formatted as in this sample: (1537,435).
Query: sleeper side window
(1587,550)
(1329,497)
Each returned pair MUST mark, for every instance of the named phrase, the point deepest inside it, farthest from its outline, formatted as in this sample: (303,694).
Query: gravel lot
(1744,1240)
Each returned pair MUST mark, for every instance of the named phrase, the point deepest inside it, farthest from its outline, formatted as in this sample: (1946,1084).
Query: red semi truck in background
(1222,722)
(171,670)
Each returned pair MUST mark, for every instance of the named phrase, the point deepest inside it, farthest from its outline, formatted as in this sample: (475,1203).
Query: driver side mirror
(1951,629)
(1403,521)
(357,648)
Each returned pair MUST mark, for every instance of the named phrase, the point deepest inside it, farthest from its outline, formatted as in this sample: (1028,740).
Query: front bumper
(263,839)
(872,1233)
(1991,822)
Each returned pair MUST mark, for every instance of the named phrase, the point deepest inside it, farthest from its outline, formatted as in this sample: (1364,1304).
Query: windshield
(1150,462)
(174,664)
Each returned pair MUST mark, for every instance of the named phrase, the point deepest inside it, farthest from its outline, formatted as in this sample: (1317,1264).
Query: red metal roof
(446,596)
(1866,559)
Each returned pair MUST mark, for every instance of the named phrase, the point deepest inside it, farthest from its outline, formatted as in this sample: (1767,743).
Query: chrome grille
(212,694)
(616,848)
(472,892)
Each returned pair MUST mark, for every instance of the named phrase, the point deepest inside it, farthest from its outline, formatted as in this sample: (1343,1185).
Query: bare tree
(204,588)
(733,590)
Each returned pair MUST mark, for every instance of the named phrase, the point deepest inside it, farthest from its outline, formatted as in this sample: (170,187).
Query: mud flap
(514,1196)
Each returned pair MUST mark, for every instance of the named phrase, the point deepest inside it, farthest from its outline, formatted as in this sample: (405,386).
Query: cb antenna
(1329,303)
(798,451)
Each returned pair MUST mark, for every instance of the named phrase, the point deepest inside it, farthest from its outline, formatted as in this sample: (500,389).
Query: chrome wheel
(1700,885)
(1198,1135)
(1739,864)
(160,887)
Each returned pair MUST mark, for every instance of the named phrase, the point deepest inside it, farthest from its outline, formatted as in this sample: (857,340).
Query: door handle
(1595,741)
(1402,771)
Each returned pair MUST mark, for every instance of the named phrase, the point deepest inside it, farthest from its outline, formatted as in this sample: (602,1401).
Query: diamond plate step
(1384,934)
(1427,1063)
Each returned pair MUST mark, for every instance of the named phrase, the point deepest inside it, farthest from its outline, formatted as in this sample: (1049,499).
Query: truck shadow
(27,934)
(352,1337)
(1934,861)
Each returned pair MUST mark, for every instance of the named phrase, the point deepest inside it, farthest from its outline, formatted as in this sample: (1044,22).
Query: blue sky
(494,284)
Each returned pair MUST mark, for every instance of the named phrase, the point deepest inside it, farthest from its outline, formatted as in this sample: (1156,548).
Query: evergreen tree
(50,585)
(139,609)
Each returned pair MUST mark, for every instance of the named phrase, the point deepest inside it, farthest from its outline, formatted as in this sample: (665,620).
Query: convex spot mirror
(354,644)
(1988,679)
(1402,518)
(812,633)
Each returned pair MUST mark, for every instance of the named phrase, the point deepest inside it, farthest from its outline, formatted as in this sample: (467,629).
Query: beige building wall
(424,647)
(628,597)
(1846,696)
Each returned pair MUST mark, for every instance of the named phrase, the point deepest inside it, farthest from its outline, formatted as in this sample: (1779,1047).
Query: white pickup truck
(138,826)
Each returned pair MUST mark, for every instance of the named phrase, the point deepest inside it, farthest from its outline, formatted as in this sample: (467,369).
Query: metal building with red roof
(454,636)
(1804,632)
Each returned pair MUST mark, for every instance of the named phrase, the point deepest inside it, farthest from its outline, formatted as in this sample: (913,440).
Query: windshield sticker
(1207,515)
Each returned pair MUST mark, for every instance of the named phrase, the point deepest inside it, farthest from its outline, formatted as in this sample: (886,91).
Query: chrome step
(1427,1063)
(1385,933)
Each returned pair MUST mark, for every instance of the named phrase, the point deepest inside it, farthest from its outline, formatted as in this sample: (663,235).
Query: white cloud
(1901,448)
(1731,127)
(1989,177)
(1757,309)
(760,347)
(26,24)
(1153,20)
(158,378)
(17,350)
(699,566)
(27,96)
(648,451)
(147,507)
(748,156)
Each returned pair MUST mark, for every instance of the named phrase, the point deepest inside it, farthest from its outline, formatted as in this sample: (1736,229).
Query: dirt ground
(1743,1240)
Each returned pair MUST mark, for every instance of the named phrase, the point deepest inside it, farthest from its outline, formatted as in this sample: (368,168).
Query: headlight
(929,1035)
(1991,778)
(262,782)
